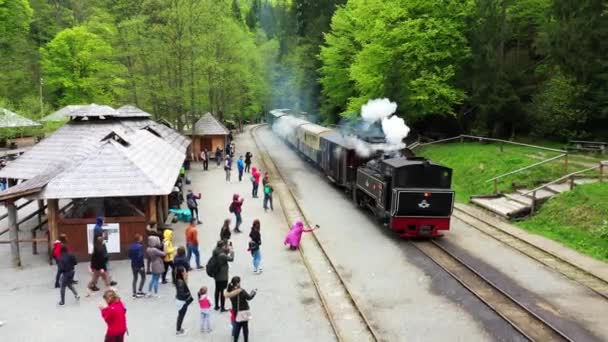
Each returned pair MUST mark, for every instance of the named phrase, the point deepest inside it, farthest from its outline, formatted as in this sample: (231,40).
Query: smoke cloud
(377,109)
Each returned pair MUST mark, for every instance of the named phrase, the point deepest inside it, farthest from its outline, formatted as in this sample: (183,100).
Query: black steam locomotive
(410,195)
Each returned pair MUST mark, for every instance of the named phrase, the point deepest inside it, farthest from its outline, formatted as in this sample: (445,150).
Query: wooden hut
(208,133)
(104,162)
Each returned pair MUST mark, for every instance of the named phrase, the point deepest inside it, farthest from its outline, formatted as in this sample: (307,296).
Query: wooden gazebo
(117,164)
(208,133)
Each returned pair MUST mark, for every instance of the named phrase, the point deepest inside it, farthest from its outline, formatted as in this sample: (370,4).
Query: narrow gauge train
(411,196)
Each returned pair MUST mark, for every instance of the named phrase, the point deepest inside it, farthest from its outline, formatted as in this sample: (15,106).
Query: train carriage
(339,160)
(287,127)
(309,137)
(274,114)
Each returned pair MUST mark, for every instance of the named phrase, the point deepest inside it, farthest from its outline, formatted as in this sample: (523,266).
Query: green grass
(578,219)
(474,164)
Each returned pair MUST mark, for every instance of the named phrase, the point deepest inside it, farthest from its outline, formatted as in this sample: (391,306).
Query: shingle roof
(94,110)
(209,125)
(130,111)
(78,139)
(62,114)
(10,119)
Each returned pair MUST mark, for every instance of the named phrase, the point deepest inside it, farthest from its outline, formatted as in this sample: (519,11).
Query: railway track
(569,270)
(348,321)
(523,320)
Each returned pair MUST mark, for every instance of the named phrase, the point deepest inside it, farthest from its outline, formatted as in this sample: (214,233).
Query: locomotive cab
(411,195)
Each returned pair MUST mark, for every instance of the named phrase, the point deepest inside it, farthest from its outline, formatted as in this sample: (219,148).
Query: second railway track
(523,320)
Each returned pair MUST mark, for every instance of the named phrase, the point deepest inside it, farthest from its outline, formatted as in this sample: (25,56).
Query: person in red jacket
(236,207)
(255,181)
(115,315)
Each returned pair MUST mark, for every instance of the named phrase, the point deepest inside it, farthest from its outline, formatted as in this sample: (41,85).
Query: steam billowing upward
(393,127)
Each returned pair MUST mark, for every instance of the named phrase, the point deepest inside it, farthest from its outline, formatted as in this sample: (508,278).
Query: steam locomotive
(411,196)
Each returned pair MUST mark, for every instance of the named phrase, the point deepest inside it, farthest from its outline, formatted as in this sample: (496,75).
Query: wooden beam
(165,201)
(152,209)
(53,220)
(13,233)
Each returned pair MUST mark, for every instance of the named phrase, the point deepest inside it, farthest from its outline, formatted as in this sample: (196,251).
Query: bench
(588,146)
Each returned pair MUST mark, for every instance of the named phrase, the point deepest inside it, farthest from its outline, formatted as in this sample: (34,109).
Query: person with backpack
(191,200)
(183,298)
(192,244)
(240,165)
(218,268)
(236,207)
(248,157)
(66,263)
(239,299)
(228,168)
(254,246)
(205,159)
(136,254)
(268,190)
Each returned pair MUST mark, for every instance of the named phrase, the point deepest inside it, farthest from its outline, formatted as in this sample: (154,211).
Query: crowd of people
(159,261)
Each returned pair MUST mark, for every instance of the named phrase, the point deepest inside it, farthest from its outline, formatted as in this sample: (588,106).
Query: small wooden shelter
(117,164)
(208,133)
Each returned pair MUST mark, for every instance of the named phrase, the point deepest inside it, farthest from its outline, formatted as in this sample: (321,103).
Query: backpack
(212,266)
(231,207)
(191,203)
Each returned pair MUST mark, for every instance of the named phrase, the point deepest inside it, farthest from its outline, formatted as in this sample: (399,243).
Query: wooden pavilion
(208,133)
(118,164)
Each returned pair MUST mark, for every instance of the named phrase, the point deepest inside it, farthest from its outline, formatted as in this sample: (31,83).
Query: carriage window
(420,176)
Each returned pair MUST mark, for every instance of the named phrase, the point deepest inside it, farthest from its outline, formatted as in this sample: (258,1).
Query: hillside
(577,218)
(474,164)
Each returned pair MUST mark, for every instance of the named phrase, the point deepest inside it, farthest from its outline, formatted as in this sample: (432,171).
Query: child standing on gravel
(205,305)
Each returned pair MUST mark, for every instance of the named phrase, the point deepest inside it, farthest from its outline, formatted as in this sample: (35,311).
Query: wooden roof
(10,119)
(102,158)
(209,125)
(61,114)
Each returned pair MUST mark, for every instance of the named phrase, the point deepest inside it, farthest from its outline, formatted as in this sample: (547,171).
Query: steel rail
(368,325)
(528,323)
(550,260)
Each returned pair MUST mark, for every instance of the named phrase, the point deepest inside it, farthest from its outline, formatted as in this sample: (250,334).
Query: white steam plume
(395,130)
(362,148)
(377,109)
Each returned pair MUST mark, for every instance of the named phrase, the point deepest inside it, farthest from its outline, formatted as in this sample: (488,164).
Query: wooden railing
(571,177)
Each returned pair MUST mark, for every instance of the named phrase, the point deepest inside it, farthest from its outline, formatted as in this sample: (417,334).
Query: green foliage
(578,219)
(409,51)
(78,68)
(555,110)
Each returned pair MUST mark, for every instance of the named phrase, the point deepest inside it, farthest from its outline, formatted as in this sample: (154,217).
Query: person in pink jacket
(295,235)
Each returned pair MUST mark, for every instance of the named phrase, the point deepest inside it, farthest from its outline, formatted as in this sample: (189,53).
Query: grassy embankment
(474,164)
(578,219)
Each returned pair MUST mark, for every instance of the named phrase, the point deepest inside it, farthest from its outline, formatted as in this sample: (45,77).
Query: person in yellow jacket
(170,250)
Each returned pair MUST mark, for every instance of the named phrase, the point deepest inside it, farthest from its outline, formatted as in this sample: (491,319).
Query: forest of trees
(491,67)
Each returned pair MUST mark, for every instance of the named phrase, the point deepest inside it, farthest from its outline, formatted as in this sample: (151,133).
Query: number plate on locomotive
(426,230)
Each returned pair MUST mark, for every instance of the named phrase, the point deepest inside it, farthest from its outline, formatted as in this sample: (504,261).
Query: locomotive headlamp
(427,194)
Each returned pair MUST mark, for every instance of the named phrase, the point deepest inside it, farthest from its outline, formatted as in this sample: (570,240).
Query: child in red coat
(115,315)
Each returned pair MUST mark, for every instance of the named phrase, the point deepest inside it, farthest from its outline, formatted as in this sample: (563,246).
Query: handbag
(241,316)
(180,303)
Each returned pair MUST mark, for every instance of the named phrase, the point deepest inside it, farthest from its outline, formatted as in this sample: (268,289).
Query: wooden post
(571,183)
(13,233)
(495,186)
(159,211)
(502,147)
(601,176)
(53,222)
(533,207)
(566,162)
(165,200)
(40,213)
(152,209)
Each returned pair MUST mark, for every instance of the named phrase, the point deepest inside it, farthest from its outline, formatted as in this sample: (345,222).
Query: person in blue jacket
(240,164)
(136,254)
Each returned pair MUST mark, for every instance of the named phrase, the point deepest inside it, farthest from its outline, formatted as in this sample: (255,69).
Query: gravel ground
(286,307)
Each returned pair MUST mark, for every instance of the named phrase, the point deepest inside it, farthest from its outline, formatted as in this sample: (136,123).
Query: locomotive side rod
(345,316)
(530,325)
(552,261)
